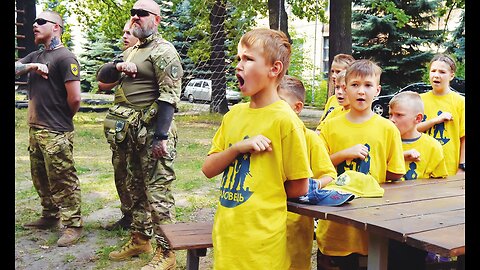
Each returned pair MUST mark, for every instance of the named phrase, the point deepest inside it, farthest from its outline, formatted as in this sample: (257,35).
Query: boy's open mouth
(241,81)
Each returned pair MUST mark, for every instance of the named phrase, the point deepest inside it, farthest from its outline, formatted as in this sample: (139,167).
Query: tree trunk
(340,32)
(277,17)
(219,102)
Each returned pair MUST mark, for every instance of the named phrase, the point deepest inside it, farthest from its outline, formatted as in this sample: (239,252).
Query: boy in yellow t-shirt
(300,229)
(423,159)
(444,117)
(261,150)
(341,97)
(423,154)
(362,141)
(340,62)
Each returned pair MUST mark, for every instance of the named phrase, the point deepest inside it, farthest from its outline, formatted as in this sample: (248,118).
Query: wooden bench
(195,237)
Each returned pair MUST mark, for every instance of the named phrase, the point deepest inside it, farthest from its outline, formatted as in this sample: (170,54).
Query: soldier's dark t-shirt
(47,106)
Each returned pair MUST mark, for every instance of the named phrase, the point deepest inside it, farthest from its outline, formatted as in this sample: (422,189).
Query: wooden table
(428,214)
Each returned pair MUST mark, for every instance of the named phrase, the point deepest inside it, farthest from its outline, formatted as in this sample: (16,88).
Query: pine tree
(396,35)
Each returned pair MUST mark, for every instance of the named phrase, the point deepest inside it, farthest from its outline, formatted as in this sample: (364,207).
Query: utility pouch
(150,114)
(117,122)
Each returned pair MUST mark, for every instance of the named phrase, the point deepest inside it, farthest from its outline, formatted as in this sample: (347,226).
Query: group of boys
(249,225)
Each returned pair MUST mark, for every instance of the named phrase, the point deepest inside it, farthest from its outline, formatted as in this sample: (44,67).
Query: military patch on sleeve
(176,71)
(74,69)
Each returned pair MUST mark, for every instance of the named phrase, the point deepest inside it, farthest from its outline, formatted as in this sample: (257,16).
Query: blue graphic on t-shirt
(438,131)
(411,173)
(233,192)
(359,165)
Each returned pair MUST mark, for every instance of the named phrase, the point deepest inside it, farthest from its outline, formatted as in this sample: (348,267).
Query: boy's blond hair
(274,44)
(341,76)
(446,59)
(363,68)
(294,87)
(412,99)
(345,59)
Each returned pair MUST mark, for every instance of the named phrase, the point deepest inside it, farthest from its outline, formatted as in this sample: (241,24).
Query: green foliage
(380,32)
(310,9)
(303,68)
(399,36)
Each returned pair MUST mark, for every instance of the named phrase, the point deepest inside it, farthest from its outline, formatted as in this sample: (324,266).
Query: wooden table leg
(377,252)
(193,257)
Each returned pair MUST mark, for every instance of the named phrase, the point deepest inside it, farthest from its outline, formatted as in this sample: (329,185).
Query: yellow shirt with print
(432,160)
(383,139)
(249,230)
(447,133)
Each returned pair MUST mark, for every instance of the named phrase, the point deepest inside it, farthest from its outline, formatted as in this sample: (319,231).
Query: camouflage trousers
(121,177)
(153,202)
(54,175)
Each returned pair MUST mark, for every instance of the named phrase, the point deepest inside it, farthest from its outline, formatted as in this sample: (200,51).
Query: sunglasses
(141,12)
(41,21)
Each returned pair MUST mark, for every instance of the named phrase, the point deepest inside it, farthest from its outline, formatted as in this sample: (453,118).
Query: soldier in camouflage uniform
(119,160)
(147,97)
(54,98)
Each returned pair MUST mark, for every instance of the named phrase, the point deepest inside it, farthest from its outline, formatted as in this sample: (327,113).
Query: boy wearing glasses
(54,98)
(148,92)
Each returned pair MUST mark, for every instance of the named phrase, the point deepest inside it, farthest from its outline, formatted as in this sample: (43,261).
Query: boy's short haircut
(342,58)
(294,86)
(274,44)
(341,76)
(447,59)
(363,68)
(412,99)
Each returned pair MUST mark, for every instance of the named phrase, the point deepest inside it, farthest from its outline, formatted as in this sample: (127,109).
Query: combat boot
(70,236)
(123,223)
(44,223)
(136,245)
(162,260)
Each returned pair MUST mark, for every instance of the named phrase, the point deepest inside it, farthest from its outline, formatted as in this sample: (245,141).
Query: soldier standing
(142,120)
(54,98)
(119,157)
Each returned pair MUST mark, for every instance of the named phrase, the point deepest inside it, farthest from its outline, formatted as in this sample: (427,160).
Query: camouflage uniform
(158,78)
(54,175)
(121,176)
(51,136)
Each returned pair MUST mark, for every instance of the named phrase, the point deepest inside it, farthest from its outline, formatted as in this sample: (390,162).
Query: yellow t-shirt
(300,228)
(335,112)
(249,229)
(432,161)
(331,104)
(447,133)
(385,153)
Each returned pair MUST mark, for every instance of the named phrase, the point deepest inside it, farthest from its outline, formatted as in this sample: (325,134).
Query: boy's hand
(443,117)
(358,151)
(255,144)
(411,155)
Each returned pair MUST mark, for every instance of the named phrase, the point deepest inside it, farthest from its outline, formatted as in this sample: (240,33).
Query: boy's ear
(298,106)
(276,68)
(419,118)
(379,88)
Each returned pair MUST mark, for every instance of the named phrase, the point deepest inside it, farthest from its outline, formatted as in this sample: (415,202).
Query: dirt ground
(38,249)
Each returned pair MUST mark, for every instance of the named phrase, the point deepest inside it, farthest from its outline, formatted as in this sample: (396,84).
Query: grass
(195,195)
(92,154)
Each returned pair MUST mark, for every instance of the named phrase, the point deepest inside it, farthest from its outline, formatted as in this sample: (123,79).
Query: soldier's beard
(144,32)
